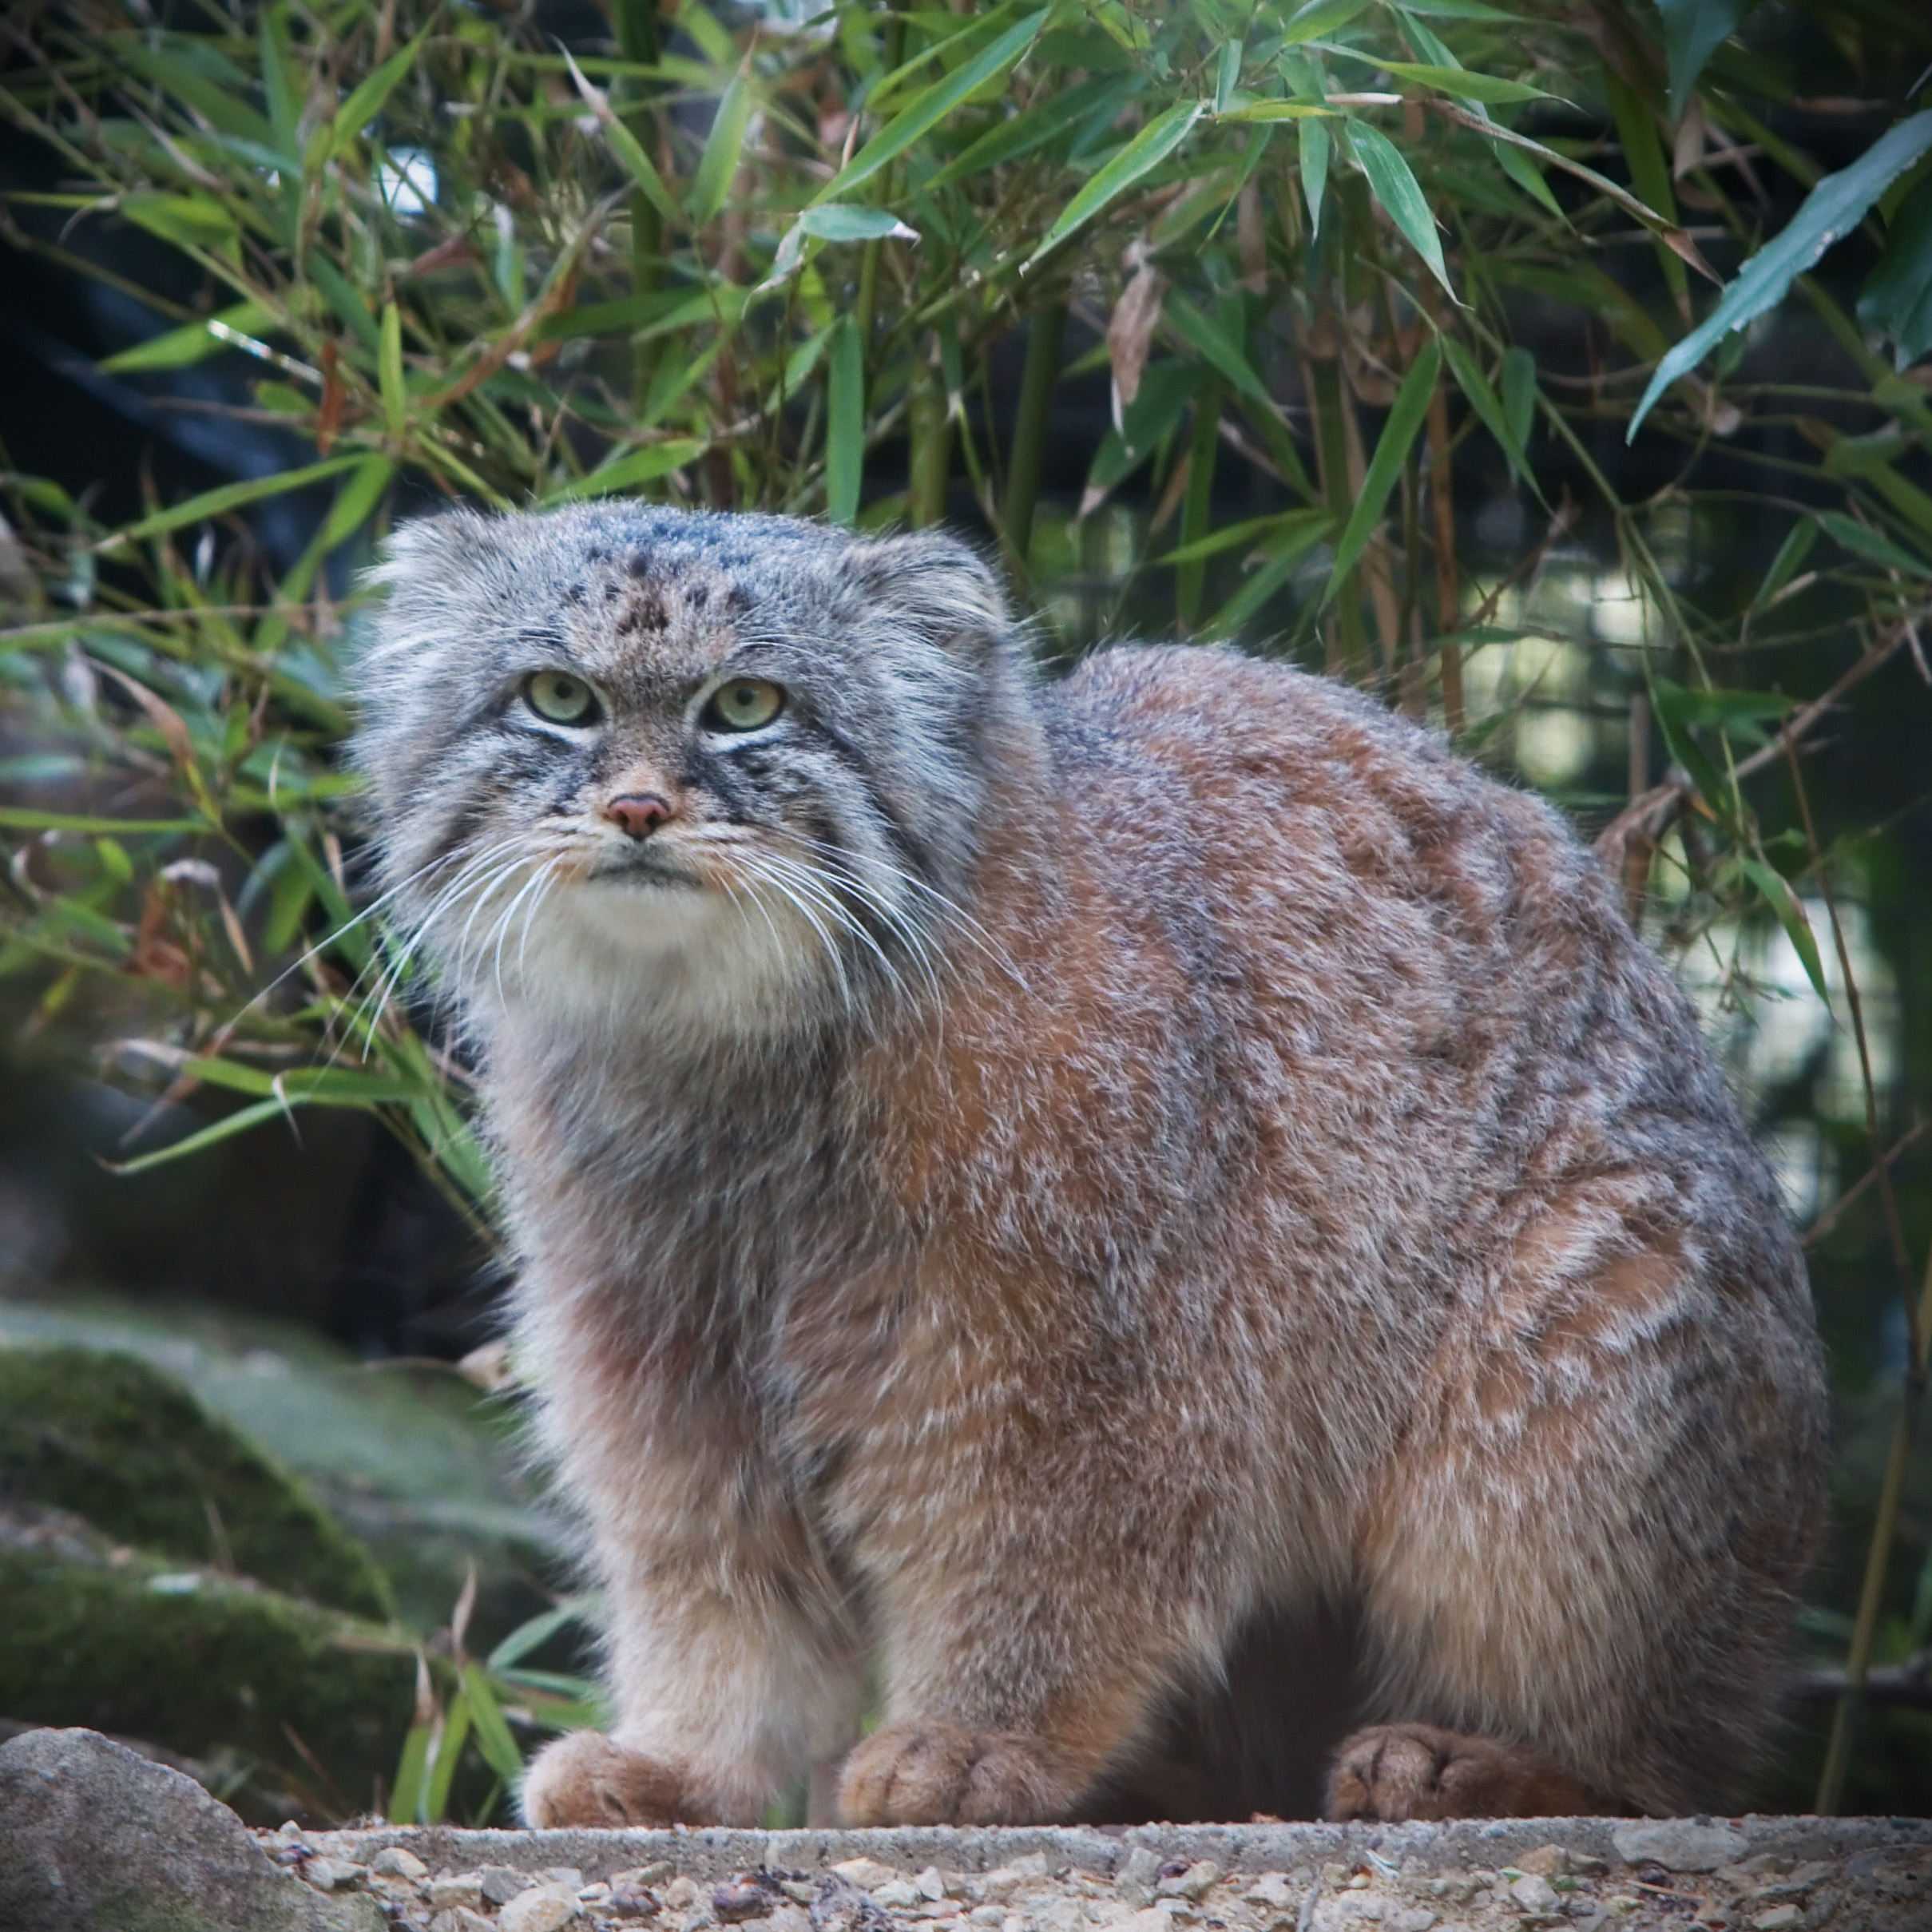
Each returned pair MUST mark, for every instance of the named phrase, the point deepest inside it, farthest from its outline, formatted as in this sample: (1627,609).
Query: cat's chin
(638,949)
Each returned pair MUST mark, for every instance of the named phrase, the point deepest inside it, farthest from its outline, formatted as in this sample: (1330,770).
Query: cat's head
(625,761)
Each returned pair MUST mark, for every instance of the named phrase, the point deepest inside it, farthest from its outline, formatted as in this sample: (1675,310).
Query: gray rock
(1678,1844)
(95,1838)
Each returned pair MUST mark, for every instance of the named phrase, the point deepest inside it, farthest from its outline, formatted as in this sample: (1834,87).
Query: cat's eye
(560,699)
(743,704)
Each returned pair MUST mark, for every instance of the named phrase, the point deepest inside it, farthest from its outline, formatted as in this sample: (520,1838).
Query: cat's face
(638,764)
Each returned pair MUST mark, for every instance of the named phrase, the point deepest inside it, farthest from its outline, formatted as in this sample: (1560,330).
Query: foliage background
(1324,329)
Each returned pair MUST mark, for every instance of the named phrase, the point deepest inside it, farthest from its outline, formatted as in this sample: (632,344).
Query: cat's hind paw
(942,1774)
(584,1779)
(1394,1772)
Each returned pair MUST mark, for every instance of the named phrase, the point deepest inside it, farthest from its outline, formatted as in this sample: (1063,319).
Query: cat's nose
(637,814)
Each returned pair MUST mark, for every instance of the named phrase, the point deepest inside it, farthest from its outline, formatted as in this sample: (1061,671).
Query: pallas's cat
(1161,1220)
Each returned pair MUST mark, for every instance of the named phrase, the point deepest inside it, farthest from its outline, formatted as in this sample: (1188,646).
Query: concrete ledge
(715,1856)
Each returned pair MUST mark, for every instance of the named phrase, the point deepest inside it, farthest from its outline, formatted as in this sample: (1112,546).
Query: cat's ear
(936,583)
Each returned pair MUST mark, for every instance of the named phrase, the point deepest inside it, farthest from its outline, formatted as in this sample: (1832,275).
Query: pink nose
(637,814)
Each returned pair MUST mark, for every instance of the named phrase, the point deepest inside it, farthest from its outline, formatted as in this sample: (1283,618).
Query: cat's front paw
(942,1773)
(1394,1772)
(584,1779)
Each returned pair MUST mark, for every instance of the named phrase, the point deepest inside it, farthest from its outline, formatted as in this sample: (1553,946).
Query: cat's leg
(1024,1660)
(1576,1571)
(729,1659)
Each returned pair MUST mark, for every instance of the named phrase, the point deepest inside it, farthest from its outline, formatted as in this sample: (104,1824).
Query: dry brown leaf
(1130,331)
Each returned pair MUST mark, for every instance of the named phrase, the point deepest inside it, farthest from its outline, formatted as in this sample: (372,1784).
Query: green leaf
(1649,173)
(1676,710)
(1150,147)
(493,1737)
(1832,208)
(538,1632)
(1395,187)
(179,348)
(406,1802)
(1693,32)
(1791,552)
(926,110)
(1315,143)
(1303,111)
(1319,16)
(628,149)
(643,466)
(1475,387)
(1519,394)
(1227,74)
(1284,553)
(221,107)
(1208,342)
(1527,175)
(28,818)
(369,98)
(455,1732)
(189,221)
(845,424)
(1036,125)
(1784,901)
(240,1122)
(389,372)
(1867,543)
(357,497)
(1897,301)
(1488,88)
(1392,451)
(1271,535)
(230,496)
(723,147)
(282,83)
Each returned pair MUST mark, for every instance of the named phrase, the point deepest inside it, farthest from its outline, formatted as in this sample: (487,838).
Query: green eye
(560,698)
(743,705)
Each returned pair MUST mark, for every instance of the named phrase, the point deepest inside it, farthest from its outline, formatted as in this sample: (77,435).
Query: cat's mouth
(646,870)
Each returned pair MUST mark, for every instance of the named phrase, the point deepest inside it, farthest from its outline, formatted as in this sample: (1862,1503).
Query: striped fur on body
(1164,1207)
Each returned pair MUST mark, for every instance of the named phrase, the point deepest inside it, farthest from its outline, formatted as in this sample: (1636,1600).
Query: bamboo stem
(930,425)
(1197,507)
(1028,455)
(636,22)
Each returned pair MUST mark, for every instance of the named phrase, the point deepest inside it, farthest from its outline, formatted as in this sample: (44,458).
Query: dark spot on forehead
(738,600)
(699,596)
(645,612)
(574,594)
(641,565)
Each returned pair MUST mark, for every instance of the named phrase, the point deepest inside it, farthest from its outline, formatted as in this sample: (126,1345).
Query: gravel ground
(1600,1875)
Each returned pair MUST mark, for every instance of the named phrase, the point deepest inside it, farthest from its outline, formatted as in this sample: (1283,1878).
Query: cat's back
(1291,810)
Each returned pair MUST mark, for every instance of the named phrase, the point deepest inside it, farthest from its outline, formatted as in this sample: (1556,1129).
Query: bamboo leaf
(449,1751)
(227,1128)
(389,373)
(1035,126)
(368,99)
(406,1802)
(1791,552)
(1835,206)
(230,496)
(643,466)
(1394,186)
(493,1737)
(1316,144)
(26,819)
(926,110)
(179,348)
(1271,535)
(1867,543)
(1693,29)
(845,424)
(1491,89)
(1897,300)
(1319,16)
(1392,451)
(1482,399)
(1784,903)
(1154,144)
(625,145)
(723,146)
(1214,348)
(1519,394)
(1303,111)
(1285,552)
(1527,175)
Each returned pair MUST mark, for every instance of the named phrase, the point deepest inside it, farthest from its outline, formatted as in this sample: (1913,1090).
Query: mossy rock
(117,1441)
(207,1665)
